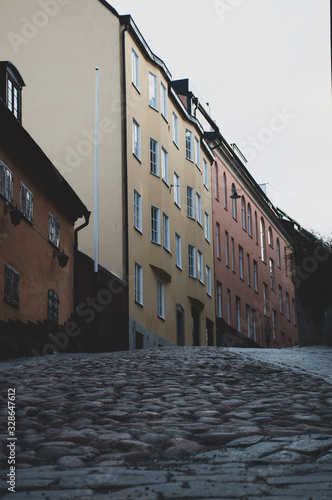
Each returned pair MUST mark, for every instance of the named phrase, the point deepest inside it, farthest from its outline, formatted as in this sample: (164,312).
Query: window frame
(199,208)
(207,227)
(137,140)
(200,266)
(154,155)
(205,174)
(190,203)
(138,283)
(12,285)
(53,230)
(135,69)
(6,182)
(163,100)
(178,251)
(177,192)
(155,225)
(160,299)
(192,261)
(138,219)
(197,153)
(53,308)
(26,204)
(166,232)
(208,281)
(219,299)
(164,165)
(241,262)
(189,144)
(175,129)
(153,91)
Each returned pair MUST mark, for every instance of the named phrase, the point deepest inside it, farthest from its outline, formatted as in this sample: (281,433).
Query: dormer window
(11,84)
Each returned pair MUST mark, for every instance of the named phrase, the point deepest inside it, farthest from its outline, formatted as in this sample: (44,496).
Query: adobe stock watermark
(224,7)
(277,124)
(74,155)
(31,27)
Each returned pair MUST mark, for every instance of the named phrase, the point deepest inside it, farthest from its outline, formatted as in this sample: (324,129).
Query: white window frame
(226,249)
(153,90)
(6,182)
(248,269)
(26,200)
(135,69)
(166,232)
(243,209)
(177,194)
(53,230)
(200,269)
(136,139)
(208,281)
(189,145)
(138,283)
(137,210)
(199,208)
(255,277)
(205,174)
(178,250)
(164,165)
(233,254)
(262,239)
(197,153)
(278,253)
(192,261)
(207,226)
(249,219)
(241,262)
(155,225)
(175,129)
(190,203)
(272,275)
(218,239)
(163,100)
(154,157)
(160,299)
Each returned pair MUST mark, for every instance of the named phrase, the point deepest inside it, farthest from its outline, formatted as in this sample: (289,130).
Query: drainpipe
(82,226)
(125,170)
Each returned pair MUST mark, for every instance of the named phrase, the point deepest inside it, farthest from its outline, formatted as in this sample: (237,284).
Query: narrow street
(169,423)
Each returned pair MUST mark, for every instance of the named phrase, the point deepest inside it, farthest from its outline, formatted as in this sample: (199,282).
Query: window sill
(166,182)
(161,318)
(155,175)
(190,159)
(164,118)
(177,205)
(136,88)
(137,158)
(12,302)
(138,230)
(139,304)
(176,145)
(156,243)
(179,267)
(153,107)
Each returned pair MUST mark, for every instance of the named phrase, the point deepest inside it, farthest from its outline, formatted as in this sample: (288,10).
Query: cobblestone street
(170,423)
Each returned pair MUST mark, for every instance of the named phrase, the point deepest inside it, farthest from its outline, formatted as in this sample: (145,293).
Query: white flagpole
(96,200)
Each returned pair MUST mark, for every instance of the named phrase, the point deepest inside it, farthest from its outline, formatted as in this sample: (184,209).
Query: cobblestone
(186,423)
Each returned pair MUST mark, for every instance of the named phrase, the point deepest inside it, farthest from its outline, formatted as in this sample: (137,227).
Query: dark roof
(28,156)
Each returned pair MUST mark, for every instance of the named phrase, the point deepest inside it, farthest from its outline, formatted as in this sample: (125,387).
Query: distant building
(39,210)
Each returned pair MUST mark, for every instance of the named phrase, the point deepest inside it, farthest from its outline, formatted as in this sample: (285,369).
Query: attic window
(11,84)
(13,93)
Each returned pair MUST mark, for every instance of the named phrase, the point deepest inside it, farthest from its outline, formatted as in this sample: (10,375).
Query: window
(12,278)
(207,227)
(226,249)
(216,186)
(166,235)
(6,182)
(248,319)
(218,240)
(249,218)
(175,129)
(197,153)
(189,145)
(274,326)
(248,269)
(178,250)
(272,273)
(253,315)
(256,229)
(192,261)
(270,237)
(26,202)
(135,68)
(199,208)
(208,281)
(228,306)
(164,165)
(53,308)
(155,225)
(160,300)
(280,300)
(190,203)
(163,100)
(136,139)
(153,90)
(294,313)
(233,255)
(154,157)
(177,198)
(53,230)
(234,208)
(205,173)
(218,299)
(13,95)
(255,277)
(265,299)
(262,239)
(225,190)
(287,306)
(200,266)
(137,211)
(241,262)
(238,313)
(243,209)
(278,253)
(138,283)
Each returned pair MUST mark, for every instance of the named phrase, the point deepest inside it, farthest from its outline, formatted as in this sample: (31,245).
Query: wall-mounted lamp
(235,195)
(62,257)
(15,214)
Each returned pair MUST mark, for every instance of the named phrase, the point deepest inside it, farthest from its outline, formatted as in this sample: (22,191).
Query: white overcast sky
(255,61)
